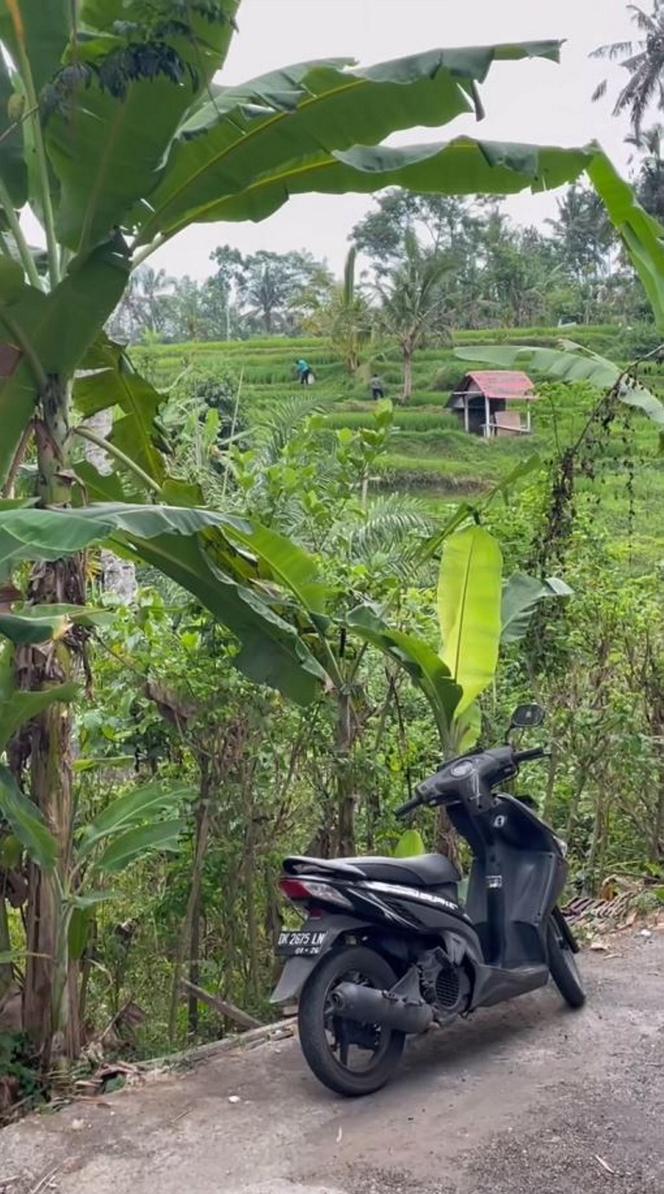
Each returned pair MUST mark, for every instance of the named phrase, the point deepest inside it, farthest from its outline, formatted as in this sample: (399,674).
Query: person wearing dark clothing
(377,390)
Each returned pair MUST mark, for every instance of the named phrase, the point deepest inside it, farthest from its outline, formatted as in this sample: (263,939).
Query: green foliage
(417,658)
(129,813)
(640,232)
(409,845)
(17,707)
(521,595)
(110,382)
(26,822)
(469,593)
(44,623)
(17,1061)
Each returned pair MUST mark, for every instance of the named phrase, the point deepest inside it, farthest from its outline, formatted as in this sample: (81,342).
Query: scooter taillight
(297,890)
(293,889)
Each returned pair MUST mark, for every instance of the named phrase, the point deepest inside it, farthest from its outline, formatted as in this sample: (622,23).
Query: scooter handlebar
(408,808)
(429,792)
(529,756)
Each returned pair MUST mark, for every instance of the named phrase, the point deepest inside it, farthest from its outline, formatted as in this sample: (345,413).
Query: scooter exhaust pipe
(387,1008)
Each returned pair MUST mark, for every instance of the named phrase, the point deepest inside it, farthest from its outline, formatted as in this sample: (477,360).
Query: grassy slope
(428,451)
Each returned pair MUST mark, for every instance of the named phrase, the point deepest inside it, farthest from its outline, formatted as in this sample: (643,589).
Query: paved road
(529,1098)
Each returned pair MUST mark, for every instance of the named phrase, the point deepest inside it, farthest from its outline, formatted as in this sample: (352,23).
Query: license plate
(301,944)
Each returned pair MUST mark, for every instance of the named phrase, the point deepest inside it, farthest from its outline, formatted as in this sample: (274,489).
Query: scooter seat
(423,870)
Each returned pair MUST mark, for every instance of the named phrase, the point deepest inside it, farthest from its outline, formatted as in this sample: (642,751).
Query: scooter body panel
(445,959)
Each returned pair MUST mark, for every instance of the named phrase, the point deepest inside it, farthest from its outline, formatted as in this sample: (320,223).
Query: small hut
(491,403)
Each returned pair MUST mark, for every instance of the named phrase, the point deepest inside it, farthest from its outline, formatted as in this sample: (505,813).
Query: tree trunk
(50,1003)
(345,793)
(657,841)
(195,901)
(597,849)
(657,730)
(6,975)
(574,803)
(253,977)
(550,796)
(194,966)
(190,936)
(407,373)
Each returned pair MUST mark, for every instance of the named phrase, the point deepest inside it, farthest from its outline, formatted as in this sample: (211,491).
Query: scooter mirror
(526,717)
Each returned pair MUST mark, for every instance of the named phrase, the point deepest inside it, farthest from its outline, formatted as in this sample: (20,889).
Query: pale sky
(525,101)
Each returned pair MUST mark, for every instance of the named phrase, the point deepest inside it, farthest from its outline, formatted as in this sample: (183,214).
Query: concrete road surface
(527,1098)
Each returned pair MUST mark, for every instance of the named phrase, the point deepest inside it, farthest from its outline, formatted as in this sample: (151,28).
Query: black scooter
(387,948)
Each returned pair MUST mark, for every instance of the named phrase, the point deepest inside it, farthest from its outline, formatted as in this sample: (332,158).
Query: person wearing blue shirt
(303,371)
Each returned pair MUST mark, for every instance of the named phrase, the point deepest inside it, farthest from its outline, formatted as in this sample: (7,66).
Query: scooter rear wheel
(563,967)
(351,1059)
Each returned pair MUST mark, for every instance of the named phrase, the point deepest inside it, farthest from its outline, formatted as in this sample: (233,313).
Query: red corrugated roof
(503,384)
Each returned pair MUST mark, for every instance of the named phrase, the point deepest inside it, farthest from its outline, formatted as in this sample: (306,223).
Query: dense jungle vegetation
(221,605)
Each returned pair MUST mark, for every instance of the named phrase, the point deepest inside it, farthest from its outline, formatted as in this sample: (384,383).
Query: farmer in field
(377,388)
(303,371)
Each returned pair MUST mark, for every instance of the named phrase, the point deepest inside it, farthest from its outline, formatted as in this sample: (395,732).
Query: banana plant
(477,612)
(143,821)
(130,827)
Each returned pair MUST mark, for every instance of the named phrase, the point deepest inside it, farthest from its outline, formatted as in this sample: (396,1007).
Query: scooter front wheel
(350,1058)
(563,967)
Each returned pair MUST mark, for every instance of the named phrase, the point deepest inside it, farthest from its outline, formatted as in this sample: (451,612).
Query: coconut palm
(344,316)
(650,178)
(413,302)
(643,59)
(583,231)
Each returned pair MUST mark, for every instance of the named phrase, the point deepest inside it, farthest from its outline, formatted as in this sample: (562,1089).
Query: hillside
(429,453)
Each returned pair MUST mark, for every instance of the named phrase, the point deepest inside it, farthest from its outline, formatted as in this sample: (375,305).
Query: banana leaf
(26,822)
(292,122)
(469,601)
(417,658)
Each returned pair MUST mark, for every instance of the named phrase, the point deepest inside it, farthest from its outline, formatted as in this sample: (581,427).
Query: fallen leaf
(599,947)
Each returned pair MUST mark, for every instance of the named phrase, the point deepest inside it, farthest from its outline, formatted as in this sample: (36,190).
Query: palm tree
(583,232)
(650,179)
(412,300)
(643,58)
(144,306)
(343,315)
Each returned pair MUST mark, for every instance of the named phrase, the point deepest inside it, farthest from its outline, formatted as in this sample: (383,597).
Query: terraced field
(429,452)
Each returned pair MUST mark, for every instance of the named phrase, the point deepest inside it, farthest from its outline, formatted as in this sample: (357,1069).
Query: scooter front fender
(297,970)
